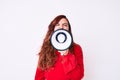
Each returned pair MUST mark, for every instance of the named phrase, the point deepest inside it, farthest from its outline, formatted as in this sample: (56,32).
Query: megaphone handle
(65,52)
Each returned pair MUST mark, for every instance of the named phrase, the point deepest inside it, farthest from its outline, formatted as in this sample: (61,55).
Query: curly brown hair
(47,56)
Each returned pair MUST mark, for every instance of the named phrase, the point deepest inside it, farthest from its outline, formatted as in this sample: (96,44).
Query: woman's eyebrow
(65,23)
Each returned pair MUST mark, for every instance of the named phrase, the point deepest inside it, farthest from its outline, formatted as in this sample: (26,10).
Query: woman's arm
(78,72)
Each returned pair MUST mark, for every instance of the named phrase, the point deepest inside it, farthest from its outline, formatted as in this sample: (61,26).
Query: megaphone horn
(61,39)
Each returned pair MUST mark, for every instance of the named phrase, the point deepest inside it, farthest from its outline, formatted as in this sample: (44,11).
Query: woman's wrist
(65,52)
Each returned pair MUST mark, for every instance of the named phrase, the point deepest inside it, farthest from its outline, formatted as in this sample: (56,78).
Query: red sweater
(69,67)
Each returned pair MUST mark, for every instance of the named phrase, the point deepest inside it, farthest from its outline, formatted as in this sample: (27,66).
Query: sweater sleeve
(39,74)
(78,72)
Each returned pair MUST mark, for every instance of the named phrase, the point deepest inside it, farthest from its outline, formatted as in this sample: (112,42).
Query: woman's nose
(61,26)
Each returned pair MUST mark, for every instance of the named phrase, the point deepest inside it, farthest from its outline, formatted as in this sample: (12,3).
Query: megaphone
(61,39)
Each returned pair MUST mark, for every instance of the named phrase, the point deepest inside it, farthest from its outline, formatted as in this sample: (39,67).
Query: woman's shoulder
(77,48)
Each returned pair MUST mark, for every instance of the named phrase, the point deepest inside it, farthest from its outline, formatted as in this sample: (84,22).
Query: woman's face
(62,24)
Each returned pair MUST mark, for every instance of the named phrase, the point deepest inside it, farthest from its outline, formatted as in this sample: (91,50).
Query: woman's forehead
(63,20)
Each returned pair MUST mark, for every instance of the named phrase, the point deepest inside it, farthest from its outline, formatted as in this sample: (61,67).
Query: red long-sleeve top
(68,67)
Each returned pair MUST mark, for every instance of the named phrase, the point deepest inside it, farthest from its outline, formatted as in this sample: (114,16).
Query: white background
(95,26)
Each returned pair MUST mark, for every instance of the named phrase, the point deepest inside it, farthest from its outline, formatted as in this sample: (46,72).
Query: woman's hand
(65,52)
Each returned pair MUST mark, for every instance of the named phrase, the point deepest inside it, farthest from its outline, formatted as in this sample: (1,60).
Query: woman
(54,66)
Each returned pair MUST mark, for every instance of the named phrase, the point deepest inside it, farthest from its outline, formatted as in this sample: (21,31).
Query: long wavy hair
(47,55)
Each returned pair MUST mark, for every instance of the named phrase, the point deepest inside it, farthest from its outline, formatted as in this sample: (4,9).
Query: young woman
(54,66)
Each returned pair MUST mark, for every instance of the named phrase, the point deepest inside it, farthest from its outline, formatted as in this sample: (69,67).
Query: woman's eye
(57,25)
(65,25)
